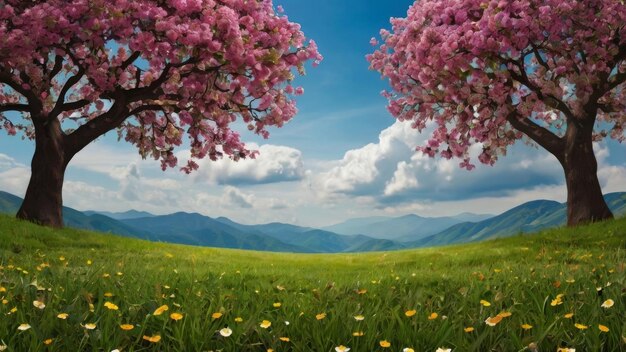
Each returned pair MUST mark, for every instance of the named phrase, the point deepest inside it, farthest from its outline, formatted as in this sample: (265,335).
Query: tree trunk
(585,202)
(43,201)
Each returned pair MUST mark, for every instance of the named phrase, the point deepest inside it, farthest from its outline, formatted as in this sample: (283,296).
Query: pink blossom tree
(492,72)
(160,72)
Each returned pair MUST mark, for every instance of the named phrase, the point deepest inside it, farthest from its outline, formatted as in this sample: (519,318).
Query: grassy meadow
(72,290)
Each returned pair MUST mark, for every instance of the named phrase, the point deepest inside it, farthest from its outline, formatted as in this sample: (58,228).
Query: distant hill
(9,204)
(354,235)
(130,214)
(528,217)
(405,228)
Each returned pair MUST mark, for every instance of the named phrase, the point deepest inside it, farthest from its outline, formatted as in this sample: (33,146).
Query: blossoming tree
(489,73)
(157,71)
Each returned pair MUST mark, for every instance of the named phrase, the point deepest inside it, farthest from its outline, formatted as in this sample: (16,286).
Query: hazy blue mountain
(364,234)
(528,217)
(197,229)
(617,203)
(315,240)
(471,217)
(405,228)
(354,226)
(73,218)
(130,214)
(9,204)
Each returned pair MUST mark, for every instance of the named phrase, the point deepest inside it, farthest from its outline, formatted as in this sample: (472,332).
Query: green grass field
(555,282)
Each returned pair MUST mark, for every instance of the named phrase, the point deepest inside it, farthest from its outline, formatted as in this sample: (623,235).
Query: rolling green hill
(74,290)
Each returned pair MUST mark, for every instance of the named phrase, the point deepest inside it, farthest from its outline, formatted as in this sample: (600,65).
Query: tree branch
(541,135)
(539,58)
(96,127)
(14,107)
(523,79)
(130,60)
(60,104)
(7,79)
(58,65)
(75,105)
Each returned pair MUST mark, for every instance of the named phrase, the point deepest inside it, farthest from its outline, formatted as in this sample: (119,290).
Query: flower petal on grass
(226,332)
(608,304)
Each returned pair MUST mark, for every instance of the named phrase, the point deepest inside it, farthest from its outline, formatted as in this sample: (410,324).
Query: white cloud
(392,172)
(367,169)
(273,164)
(14,176)
(235,197)
(404,178)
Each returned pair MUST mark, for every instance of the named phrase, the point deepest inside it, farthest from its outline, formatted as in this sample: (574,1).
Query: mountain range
(353,235)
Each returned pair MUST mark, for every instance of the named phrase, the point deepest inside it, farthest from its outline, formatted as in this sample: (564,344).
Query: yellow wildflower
(127,327)
(111,306)
(161,310)
(433,316)
(580,326)
(265,324)
(176,316)
(385,344)
(62,316)
(216,315)
(410,313)
(153,339)
(320,316)
(527,326)
(468,329)
(603,328)
(485,303)
(493,321)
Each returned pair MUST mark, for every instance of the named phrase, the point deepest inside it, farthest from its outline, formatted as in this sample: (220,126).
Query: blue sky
(343,156)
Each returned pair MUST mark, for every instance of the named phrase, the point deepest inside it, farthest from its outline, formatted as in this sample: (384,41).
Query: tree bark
(585,202)
(43,202)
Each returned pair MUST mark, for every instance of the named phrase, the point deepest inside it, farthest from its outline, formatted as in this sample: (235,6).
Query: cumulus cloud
(273,164)
(14,175)
(365,170)
(235,197)
(392,172)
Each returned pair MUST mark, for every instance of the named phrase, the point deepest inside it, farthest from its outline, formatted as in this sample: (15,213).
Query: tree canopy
(156,70)
(488,72)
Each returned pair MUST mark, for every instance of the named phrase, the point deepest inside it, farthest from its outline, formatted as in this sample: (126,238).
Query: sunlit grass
(75,290)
